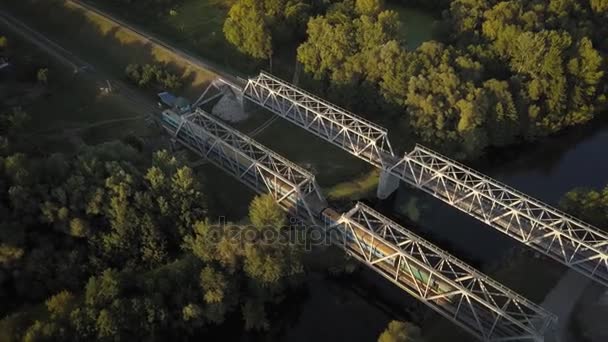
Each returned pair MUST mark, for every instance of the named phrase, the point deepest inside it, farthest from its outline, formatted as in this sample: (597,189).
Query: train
(418,278)
(411,278)
(328,216)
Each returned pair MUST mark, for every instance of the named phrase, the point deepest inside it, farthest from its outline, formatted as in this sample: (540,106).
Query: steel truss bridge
(457,291)
(572,242)
(294,188)
(358,136)
(476,303)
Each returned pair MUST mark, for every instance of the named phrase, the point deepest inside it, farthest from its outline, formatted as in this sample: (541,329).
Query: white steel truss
(346,130)
(294,188)
(566,239)
(478,304)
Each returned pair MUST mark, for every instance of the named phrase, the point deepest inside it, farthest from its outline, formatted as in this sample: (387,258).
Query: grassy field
(68,104)
(103,43)
(196,26)
(416,25)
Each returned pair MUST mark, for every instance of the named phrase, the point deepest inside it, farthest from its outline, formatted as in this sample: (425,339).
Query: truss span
(532,222)
(346,130)
(478,304)
(294,188)
(566,239)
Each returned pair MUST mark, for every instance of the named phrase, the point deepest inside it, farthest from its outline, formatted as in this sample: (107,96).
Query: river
(358,308)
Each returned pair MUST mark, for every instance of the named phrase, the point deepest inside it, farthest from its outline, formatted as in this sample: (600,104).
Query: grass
(101,42)
(329,163)
(359,188)
(416,24)
(197,26)
(68,101)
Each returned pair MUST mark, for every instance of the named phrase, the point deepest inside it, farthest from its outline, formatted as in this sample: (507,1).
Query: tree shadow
(104,44)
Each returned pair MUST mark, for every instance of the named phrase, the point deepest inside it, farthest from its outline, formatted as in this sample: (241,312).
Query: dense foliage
(108,244)
(255,26)
(401,332)
(500,71)
(153,76)
(588,204)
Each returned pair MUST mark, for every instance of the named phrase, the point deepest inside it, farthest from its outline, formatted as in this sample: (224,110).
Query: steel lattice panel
(475,302)
(536,224)
(358,136)
(250,162)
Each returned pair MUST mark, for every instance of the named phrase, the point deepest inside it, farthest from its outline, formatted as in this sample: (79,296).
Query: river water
(359,307)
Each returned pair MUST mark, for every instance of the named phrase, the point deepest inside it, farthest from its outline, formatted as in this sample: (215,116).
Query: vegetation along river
(358,307)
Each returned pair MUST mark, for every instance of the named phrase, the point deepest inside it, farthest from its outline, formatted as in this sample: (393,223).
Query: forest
(107,242)
(498,72)
(103,244)
(110,242)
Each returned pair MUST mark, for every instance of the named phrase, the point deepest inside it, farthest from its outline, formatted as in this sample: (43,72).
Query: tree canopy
(401,332)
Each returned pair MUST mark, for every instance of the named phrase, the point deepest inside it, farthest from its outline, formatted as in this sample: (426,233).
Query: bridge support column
(230,107)
(387,185)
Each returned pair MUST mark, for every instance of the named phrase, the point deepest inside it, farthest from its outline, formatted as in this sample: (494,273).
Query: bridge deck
(294,188)
(478,304)
(570,241)
(360,137)
(536,224)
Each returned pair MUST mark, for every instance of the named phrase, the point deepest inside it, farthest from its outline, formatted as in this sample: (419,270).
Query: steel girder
(566,239)
(358,136)
(294,188)
(454,289)
(536,224)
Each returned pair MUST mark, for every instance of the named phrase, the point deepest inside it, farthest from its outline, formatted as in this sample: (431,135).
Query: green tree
(327,48)
(43,76)
(588,204)
(265,212)
(599,6)
(349,46)
(246,29)
(401,332)
(255,316)
(369,7)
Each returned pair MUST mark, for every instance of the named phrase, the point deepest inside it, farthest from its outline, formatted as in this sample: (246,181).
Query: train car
(381,249)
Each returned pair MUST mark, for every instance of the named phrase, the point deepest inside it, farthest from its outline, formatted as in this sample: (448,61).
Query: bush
(152,76)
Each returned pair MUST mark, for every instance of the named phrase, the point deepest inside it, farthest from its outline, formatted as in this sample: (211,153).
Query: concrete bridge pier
(231,106)
(387,185)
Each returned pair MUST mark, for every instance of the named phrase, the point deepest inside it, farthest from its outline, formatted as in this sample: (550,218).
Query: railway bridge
(547,230)
(473,301)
